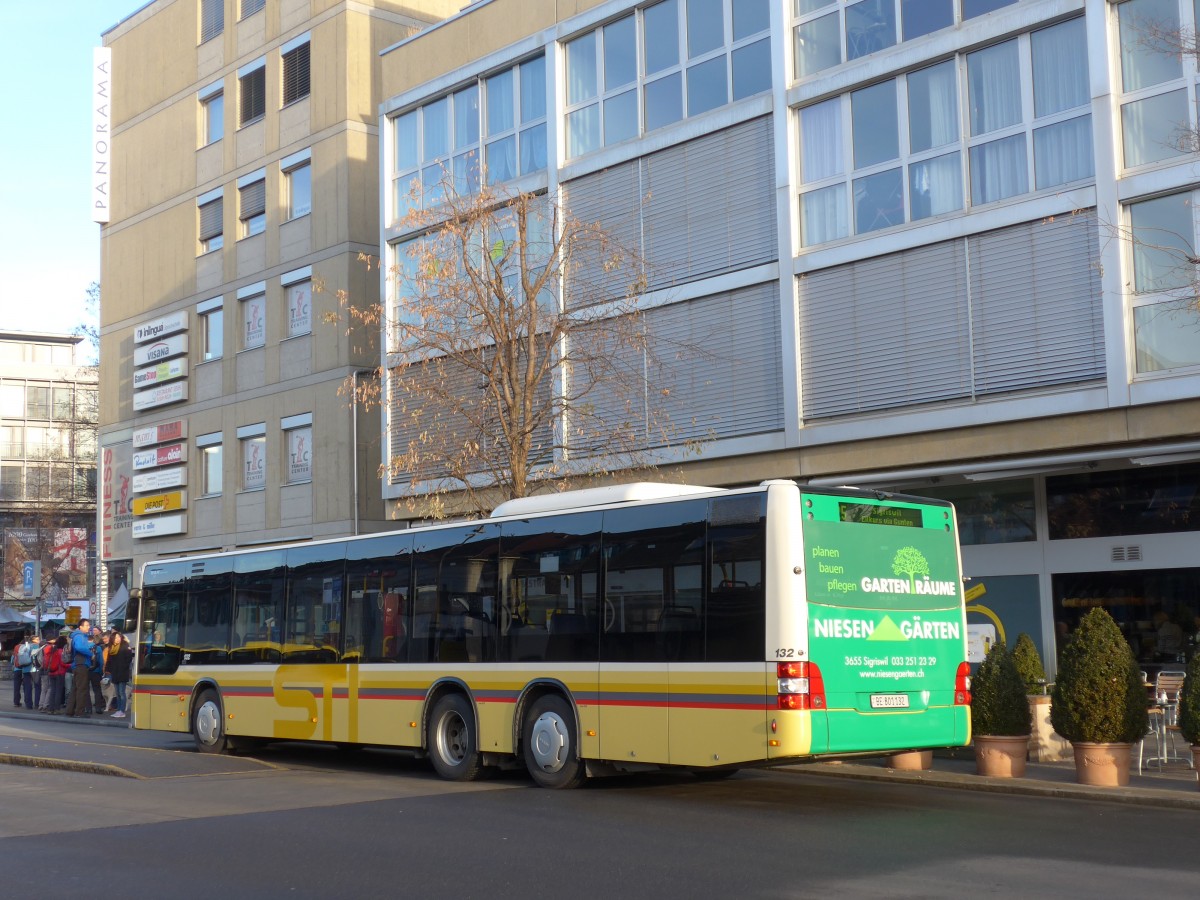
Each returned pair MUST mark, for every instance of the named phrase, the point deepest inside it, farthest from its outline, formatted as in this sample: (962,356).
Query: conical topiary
(998,700)
(1189,703)
(1099,697)
(1029,664)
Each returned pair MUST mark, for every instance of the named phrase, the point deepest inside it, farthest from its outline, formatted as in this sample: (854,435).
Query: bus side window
(735,608)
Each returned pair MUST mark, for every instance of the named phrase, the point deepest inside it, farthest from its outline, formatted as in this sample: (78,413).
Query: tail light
(800,685)
(962,685)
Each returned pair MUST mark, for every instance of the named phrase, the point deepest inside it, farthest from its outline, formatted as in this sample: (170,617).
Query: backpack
(25,654)
(68,653)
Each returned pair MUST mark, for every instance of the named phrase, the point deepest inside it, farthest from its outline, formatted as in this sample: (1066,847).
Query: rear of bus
(886,623)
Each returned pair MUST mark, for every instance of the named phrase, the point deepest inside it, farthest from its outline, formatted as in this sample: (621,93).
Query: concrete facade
(244,188)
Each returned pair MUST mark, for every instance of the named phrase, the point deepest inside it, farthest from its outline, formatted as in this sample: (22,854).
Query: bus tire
(550,744)
(453,746)
(208,724)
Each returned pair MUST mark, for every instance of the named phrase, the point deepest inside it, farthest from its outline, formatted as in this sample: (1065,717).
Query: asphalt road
(315,822)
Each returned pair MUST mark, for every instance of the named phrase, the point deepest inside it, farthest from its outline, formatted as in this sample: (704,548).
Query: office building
(942,246)
(241,188)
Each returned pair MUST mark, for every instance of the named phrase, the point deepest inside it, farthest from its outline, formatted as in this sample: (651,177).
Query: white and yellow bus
(585,633)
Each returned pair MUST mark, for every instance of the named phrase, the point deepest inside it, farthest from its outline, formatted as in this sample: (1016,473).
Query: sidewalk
(1174,787)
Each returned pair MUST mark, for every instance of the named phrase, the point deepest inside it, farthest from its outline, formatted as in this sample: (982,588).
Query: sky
(49,245)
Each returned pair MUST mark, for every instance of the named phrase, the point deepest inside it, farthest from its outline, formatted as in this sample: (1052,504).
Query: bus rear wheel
(551,746)
(451,739)
(208,725)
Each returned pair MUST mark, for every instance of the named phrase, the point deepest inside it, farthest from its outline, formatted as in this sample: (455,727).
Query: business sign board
(101,133)
(159,526)
(160,479)
(176,345)
(172,392)
(116,482)
(159,456)
(159,434)
(158,328)
(157,374)
(159,503)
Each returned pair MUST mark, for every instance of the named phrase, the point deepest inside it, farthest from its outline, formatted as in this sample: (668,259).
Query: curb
(1168,799)
(66,765)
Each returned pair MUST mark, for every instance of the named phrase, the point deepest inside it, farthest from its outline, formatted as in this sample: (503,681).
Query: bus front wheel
(551,745)
(208,726)
(452,741)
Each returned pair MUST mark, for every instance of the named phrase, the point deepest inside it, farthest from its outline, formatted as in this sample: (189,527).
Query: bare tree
(518,358)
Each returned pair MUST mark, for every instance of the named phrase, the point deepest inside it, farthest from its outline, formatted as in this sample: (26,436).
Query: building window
(252,92)
(1165,320)
(254,320)
(297,432)
(254,457)
(297,184)
(830,32)
(905,154)
(696,55)
(250,7)
(212,19)
(211,208)
(1156,122)
(12,483)
(212,115)
(211,463)
(37,401)
(295,71)
(12,401)
(298,286)
(445,139)
(12,441)
(252,203)
(211,314)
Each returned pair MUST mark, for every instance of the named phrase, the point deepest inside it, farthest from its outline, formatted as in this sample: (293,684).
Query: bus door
(312,682)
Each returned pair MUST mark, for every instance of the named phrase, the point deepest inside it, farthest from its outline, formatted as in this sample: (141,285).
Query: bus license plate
(889,701)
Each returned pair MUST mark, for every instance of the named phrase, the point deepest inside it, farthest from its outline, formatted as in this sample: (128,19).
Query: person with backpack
(35,674)
(79,652)
(22,665)
(96,671)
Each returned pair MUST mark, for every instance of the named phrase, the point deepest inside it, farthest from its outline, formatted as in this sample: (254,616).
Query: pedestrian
(96,671)
(42,658)
(22,667)
(119,668)
(36,674)
(81,659)
(58,675)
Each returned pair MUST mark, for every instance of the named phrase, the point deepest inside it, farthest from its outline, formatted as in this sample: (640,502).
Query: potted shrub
(1189,710)
(999,715)
(1099,701)
(1029,664)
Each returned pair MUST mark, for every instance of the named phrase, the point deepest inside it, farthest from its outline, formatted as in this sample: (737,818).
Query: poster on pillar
(1000,608)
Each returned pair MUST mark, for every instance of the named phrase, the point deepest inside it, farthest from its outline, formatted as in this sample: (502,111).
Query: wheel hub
(208,723)
(548,742)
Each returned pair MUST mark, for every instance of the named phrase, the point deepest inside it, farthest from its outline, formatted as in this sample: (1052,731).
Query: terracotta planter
(911,761)
(1000,756)
(1103,765)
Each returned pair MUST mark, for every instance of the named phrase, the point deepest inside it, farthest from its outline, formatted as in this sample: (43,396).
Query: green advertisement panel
(886,626)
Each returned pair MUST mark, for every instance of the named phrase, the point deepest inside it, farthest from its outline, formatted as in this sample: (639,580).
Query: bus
(584,633)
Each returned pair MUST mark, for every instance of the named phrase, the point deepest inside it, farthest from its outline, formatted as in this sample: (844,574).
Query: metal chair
(1164,718)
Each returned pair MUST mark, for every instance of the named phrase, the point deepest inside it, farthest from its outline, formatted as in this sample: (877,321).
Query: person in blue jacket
(78,682)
